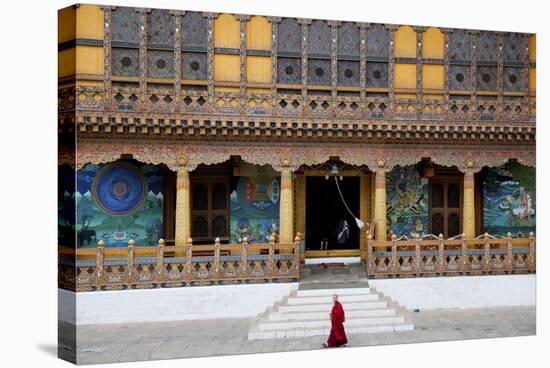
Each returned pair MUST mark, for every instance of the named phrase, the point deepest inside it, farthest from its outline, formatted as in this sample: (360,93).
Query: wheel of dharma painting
(119,188)
(404,189)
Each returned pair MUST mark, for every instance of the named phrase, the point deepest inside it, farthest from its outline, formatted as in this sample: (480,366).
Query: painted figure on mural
(337,316)
(254,203)
(509,200)
(407,202)
(244,230)
(524,205)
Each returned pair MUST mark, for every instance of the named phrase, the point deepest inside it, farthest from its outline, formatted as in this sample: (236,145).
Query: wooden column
(286,210)
(363,212)
(183,204)
(468,208)
(380,201)
(300,193)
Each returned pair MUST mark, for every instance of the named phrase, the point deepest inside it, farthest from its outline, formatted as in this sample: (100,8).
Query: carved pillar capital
(284,165)
(381,165)
(182,162)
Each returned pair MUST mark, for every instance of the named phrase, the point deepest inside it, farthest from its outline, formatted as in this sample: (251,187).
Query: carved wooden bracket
(383,157)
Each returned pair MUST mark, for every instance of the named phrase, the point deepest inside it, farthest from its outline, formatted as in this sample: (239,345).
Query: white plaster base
(460,291)
(66,306)
(176,304)
(348,260)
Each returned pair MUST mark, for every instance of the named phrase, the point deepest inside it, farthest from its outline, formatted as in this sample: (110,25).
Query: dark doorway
(326,213)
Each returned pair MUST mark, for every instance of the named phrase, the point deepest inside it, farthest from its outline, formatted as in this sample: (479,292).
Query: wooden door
(446,206)
(210,210)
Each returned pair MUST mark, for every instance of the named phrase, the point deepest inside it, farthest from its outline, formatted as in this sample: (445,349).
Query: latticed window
(209,210)
(445,206)
(219,196)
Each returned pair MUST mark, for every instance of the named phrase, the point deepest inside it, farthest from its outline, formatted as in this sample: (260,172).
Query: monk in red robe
(337,335)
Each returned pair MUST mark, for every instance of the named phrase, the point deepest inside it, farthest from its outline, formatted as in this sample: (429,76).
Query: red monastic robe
(337,335)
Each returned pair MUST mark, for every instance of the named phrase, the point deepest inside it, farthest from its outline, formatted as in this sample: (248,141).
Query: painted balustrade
(435,256)
(101,268)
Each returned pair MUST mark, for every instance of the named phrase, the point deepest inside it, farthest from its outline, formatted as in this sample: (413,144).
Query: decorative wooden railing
(435,256)
(89,269)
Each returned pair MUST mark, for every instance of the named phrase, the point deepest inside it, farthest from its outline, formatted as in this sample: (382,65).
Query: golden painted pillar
(286,210)
(300,192)
(468,207)
(183,204)
(363,212)
(380,203)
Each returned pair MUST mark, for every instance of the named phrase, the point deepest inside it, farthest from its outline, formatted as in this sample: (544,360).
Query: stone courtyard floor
(167,340)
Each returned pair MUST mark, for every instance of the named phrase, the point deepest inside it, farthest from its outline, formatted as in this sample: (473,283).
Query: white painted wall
(171,304)
(460,291)
(348,260)
(66,306)
(233,301)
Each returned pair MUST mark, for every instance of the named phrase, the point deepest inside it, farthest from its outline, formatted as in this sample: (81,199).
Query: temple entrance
(330,229)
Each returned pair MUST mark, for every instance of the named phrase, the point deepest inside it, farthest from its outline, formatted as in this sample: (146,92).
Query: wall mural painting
(118,202)
(407,202)
(509,197)
(255,204)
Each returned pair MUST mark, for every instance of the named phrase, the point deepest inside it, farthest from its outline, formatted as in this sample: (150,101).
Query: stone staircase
(305,312)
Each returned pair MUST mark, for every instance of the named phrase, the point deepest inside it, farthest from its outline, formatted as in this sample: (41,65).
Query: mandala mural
(119,202)
(119,188)
(407,202)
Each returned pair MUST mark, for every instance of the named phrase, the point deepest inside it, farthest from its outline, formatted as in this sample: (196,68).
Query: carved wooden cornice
(281,128)
(375,157)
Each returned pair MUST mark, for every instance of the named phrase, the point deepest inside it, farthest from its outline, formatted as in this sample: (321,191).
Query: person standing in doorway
(337,335)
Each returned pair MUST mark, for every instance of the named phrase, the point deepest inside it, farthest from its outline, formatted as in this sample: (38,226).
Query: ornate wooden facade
(184,88)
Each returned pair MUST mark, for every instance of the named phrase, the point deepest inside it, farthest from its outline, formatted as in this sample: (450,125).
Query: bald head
(335,298)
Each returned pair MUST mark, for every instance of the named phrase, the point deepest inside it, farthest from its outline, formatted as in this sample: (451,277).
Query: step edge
(348,331)
(281,323)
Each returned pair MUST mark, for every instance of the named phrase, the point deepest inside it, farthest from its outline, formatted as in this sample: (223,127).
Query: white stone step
(331,292)
(307,332)
(324,323)
(328,300)
(307,315)
(327,306)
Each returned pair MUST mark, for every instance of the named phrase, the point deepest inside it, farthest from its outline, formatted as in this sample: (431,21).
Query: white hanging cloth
(360,224)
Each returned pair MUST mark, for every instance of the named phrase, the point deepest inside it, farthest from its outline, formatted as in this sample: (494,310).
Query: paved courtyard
(166,340)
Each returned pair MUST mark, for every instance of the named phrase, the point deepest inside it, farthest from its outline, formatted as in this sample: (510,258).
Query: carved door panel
(446,206)
(209,210)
